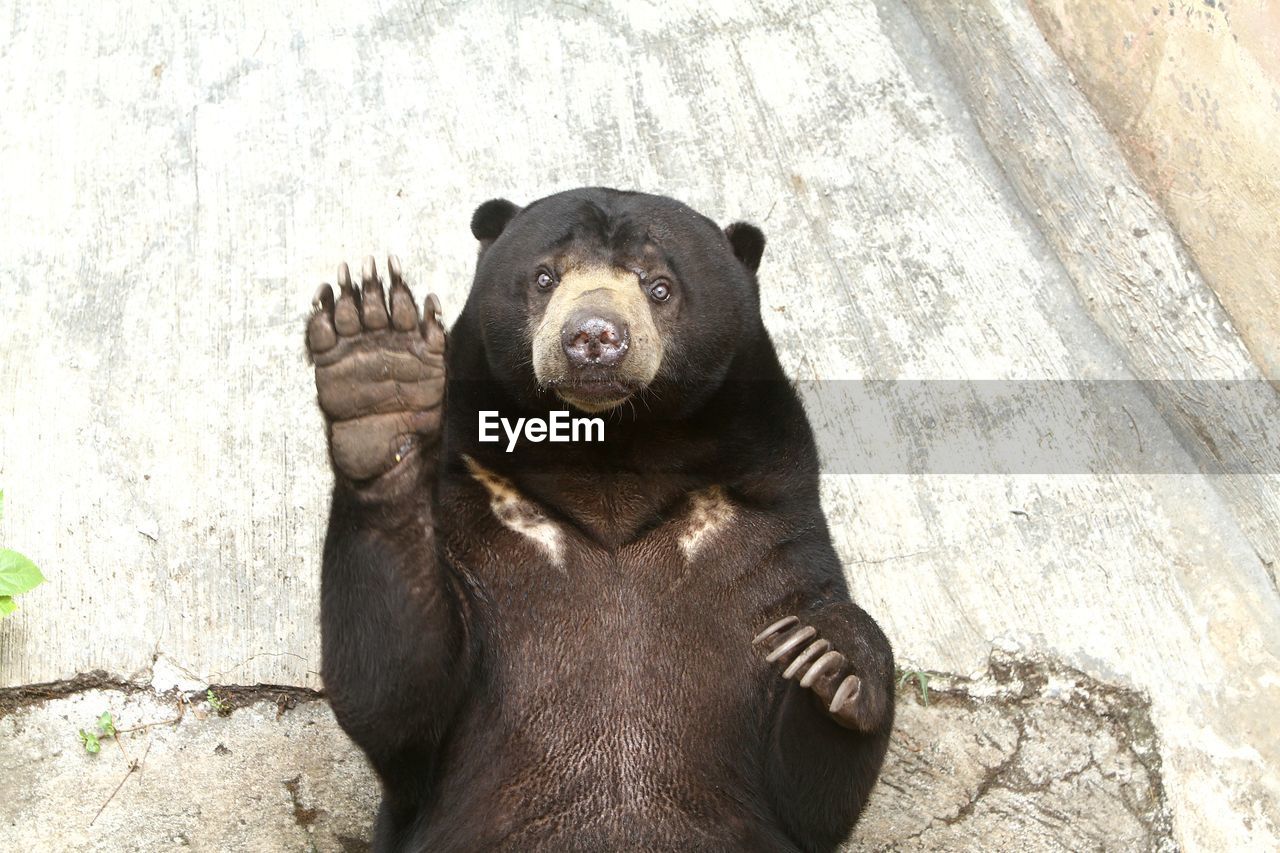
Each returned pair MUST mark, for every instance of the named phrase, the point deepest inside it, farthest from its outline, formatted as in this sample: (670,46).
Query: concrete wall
(1191,90)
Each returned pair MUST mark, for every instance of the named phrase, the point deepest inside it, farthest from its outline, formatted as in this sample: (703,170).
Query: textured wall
(1191,89)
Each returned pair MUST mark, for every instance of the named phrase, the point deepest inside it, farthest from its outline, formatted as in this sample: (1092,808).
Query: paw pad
(379,369)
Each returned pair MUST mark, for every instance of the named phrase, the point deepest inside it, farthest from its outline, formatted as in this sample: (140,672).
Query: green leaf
(106,725)
(17,573)
(215,702)
(7,605)
(90,741)
(922,679)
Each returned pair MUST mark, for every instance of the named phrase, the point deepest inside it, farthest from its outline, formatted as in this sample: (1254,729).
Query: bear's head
(598,297)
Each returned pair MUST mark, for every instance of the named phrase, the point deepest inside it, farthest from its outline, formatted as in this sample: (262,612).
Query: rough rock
(1029,757)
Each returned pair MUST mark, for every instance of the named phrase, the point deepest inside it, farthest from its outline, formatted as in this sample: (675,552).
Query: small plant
(220,707)
(922,679)
(106,728)
(17,575)
(90,741)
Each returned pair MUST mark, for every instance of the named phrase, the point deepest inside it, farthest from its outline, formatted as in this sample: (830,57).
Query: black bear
(644,642)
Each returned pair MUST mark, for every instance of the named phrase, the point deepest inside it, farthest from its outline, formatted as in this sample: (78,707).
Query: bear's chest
(549,597)
(612,552)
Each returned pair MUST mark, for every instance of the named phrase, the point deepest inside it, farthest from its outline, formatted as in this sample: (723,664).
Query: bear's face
(599,297)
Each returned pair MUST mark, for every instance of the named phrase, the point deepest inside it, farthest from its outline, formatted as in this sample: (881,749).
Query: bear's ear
(747,242)
(490,219)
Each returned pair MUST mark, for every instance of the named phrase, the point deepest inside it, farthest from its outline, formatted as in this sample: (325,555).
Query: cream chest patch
(518,513)
(710,512)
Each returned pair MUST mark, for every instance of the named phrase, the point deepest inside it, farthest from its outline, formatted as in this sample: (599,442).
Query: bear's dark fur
(564,647)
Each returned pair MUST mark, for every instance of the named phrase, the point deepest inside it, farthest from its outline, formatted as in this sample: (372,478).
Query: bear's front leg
(833,712)
(393,646)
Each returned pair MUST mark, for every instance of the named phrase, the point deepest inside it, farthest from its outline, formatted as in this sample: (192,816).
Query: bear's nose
(594,340)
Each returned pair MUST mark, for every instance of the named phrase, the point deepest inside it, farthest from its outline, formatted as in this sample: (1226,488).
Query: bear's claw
(795,639)
(828,661)
(815,648)
(820,668)
(784,622)
(320,334)
(373,304)
(848,692)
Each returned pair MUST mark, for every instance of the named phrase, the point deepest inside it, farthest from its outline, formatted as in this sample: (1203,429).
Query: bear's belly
(600,776)
(612,715)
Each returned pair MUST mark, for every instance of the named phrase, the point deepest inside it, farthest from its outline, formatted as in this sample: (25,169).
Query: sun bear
(639,643)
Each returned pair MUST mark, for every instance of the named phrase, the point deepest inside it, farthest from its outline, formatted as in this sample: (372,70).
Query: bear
(644,642)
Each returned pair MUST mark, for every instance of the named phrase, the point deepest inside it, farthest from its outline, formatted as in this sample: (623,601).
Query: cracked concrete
(272,772)
(1030,757)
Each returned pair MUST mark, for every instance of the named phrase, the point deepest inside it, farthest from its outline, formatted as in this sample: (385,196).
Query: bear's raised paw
(380,372)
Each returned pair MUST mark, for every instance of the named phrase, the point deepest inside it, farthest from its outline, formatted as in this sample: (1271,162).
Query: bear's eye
(545,280)
(660,291)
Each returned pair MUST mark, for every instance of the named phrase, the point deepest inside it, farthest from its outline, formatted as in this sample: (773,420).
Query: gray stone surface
(178,178)
(1029,757)
(267,776)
